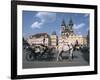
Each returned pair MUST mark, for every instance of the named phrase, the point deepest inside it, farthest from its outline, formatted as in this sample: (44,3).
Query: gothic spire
(63,23)
(70,22)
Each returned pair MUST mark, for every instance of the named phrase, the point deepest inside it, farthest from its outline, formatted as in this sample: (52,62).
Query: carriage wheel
(29,56)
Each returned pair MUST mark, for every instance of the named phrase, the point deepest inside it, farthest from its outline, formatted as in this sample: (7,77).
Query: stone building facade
(39,38)
(67,37)
(54,39)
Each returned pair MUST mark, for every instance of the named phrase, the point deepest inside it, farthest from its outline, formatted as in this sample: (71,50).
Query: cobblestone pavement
(78,60)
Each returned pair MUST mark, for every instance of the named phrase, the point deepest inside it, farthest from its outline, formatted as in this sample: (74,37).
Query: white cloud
(79,26)
(45,17)
(36,25)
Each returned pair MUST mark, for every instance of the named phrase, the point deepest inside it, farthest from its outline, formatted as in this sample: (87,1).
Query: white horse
(65,48)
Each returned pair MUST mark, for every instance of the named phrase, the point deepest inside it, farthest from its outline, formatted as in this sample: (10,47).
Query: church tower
(67,30)
(63,25)
(70,25)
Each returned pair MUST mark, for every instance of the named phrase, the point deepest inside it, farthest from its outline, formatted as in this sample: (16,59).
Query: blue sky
(38,22)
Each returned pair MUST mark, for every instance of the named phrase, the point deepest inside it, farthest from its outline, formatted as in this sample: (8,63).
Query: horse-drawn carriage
(39,52)
(42,52)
